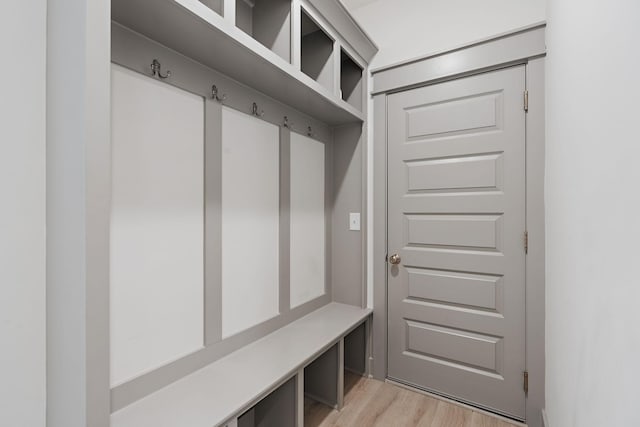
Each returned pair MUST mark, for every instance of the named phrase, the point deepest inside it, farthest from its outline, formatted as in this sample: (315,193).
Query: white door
(456,212)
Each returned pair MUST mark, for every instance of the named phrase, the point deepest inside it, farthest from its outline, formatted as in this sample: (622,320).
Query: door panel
(468,114)
(470,348)
(455,231)
(456,212)
(474,290)
(455,173)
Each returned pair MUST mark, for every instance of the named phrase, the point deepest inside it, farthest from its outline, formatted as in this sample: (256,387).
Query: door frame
(525,46)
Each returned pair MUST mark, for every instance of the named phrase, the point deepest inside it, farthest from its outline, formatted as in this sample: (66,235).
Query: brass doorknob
(394,259)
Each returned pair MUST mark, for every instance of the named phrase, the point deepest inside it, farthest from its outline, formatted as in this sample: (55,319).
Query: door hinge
(526,382)
(526,100)
(526,242)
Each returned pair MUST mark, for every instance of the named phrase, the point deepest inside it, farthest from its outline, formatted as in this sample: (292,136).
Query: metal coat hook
(156,71)
(254,110)
(214,94)
(310,131)
(286,123)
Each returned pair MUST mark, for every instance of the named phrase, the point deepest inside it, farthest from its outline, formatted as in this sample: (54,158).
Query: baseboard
(545,420)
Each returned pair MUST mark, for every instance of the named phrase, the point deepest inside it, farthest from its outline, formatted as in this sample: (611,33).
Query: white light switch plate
(354,221)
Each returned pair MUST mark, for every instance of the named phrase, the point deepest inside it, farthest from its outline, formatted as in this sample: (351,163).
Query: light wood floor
(371,403)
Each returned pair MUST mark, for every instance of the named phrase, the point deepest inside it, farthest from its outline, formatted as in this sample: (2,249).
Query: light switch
(354,221)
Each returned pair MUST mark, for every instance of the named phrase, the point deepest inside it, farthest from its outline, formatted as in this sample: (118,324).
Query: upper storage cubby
(316,50)
(267,21)
(215,5)
(350,80)
(253,45)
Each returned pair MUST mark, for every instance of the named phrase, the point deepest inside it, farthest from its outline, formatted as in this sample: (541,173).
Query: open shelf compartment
(216,5)
(321,378)
(277,409)
(350,80)
(333,375)
(316,52)
(268,22)
(355,351)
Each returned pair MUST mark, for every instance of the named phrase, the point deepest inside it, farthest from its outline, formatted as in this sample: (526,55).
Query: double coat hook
(156,70)
(254,111)
(214,94)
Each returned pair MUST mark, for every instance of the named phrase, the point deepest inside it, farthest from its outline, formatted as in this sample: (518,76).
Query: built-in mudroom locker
(237,245)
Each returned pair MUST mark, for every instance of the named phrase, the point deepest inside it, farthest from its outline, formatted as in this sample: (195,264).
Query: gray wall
(347,250)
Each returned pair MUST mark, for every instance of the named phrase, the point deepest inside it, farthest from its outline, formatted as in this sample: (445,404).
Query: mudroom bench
(264,383)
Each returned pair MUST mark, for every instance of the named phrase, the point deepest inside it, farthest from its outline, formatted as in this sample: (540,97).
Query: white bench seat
(227,387)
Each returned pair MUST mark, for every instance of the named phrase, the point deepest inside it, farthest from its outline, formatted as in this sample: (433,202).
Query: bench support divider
(300,398)
(340,392)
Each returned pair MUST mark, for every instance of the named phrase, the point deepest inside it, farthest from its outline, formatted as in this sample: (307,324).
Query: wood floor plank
(409,409)
(371,403)
(429,416)
(370,414)
(450,415)
(366,396)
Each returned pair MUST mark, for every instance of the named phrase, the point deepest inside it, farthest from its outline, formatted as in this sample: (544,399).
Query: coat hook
(155,70)
(286,123)
(214,94)
(254,110)
(310,131)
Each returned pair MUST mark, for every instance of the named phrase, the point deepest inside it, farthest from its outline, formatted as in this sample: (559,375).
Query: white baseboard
(545,420)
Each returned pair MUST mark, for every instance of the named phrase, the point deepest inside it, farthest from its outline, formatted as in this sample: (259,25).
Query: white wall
(592,214)
(307,257)
(78,205)
(22,216)
(157,224)
(410,28)
(250,221)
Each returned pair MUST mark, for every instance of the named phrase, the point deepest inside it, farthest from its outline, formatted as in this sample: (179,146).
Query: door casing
(524,46)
